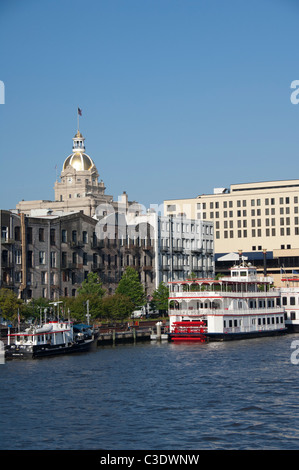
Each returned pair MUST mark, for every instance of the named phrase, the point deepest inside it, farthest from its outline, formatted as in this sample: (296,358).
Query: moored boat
(242,305)
(290,300)
(52,338)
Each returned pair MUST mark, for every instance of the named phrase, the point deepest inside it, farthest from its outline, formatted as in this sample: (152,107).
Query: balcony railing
(7,241)
(212,294)
(227,312)
(76,244)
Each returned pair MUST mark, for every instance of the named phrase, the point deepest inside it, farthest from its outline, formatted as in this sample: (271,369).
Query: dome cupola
(79,160)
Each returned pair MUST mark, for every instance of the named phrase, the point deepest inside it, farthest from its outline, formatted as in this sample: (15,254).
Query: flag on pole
(80,112)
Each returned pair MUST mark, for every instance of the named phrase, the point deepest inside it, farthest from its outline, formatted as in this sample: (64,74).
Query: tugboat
(52,338)
(242,305)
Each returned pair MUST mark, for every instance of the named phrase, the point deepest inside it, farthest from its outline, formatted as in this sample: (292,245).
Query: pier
(136,331)
(130,336)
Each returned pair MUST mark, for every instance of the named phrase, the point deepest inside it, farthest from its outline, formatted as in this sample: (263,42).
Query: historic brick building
(49,255)
(48,248)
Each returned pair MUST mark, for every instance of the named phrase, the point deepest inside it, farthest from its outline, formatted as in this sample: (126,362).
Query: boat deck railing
(223,294)
(203,312)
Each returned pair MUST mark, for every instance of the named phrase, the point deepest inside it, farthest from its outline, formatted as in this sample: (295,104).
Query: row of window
(243,203)
(259,247)
(186,243)
(109,259)
(72,277)
(260,321)
(262,303)
(257,233)
(245,213)
(42,235)
(136,241)
(290,300)
(257,222)
(180,227)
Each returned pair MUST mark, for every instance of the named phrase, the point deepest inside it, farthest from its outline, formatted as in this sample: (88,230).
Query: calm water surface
(158,396)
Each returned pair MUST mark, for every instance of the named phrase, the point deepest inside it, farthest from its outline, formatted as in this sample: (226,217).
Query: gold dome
(79,161)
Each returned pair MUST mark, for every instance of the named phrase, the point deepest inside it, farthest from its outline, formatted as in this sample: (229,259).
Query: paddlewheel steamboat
(242,305)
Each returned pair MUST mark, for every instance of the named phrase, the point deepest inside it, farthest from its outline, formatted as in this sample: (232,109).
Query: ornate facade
(78,189)
(50,255)
(48,247)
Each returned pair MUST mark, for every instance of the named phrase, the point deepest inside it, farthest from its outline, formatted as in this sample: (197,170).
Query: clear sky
(177,96)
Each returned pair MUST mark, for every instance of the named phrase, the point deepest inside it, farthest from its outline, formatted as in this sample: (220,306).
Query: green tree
(160,298)
(36,308)
(117,307)
(92,292)
(131,287)
(92,286)
(76,307)
(10,305)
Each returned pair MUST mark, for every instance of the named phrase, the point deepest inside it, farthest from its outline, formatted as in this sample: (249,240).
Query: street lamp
(56,305)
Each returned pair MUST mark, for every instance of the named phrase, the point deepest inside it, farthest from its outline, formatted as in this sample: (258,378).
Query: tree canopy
(92,285)
(131,287)
(160,298)
(10,304)
(117,307)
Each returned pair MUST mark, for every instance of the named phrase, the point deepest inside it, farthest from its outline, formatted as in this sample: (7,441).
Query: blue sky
(178,96)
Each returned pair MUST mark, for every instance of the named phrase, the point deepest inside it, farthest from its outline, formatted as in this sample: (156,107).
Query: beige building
(250,217)
(78,189)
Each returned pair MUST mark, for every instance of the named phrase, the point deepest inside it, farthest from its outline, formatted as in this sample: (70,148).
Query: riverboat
(52,338)
(290,300)
(242,305)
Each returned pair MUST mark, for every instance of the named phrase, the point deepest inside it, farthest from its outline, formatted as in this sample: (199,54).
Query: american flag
(80,112)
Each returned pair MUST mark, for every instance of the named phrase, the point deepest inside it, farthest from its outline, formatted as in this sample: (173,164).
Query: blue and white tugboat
(52,338)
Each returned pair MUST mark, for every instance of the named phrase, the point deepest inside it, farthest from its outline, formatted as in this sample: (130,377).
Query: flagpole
(79,113)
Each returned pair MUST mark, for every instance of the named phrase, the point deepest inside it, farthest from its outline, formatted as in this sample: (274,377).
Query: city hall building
(78,188)
(47,248)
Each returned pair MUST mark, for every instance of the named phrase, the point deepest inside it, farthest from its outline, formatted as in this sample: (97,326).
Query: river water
(158,396)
